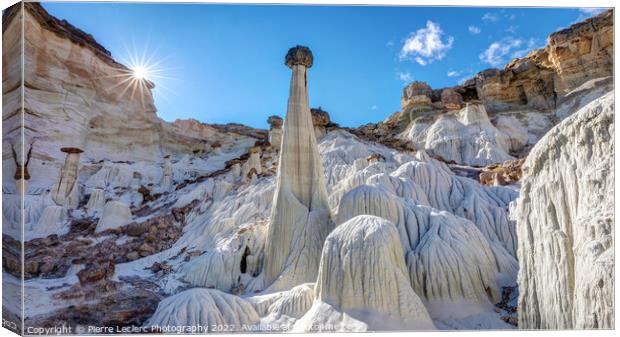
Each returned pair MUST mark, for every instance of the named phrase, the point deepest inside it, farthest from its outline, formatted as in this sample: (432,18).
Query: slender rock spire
(66,193)
(300,217)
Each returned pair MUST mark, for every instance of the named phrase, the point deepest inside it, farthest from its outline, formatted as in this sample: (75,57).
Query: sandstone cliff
(523,100)
(77,95)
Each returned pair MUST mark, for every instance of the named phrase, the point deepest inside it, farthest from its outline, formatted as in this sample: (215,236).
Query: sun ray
(145,73)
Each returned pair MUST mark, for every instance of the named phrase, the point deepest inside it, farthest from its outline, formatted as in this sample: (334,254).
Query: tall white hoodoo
(300,217)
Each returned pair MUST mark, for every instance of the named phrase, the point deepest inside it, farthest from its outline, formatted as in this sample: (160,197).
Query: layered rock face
(565,224)
(362,283)
(538,81)
(300,217)
(523,100)
(104,112)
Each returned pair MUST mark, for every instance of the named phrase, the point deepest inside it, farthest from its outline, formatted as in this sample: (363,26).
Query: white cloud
(591,11)
(498,51)
(490,17)
(453,73)
(374,107)
(390,43)
(474,30)
(529,46)
(512,29)
(405,77)
(426,45)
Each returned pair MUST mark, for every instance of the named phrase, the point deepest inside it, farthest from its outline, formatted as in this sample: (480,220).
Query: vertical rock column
(65,192)
(252,167)
(21,172)
(166,181)
(300,217)
(275,131)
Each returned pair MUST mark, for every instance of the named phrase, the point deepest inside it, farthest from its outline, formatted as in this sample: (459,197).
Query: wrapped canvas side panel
(15,174)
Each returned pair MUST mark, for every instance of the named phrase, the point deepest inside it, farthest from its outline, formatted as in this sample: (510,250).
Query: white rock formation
(484,206)
(115,214)
(166,180)
(284,308)
(51,220)
(363,283)
(448,258)
(275,137)
(111,175)
(252,165)
(293,303)
(231,264)
(235,172)
(300,218)
(209,308)
(96,201)
(465,137)
(66,191)
(275,131)
(565,224)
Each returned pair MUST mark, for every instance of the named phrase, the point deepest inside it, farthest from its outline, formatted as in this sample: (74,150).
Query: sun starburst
(143,72)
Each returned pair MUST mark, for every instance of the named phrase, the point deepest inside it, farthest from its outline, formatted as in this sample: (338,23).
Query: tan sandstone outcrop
(98,112)
(541,81)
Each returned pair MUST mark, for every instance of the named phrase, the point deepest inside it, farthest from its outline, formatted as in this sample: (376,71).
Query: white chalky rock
(51,220)
(447,256)
(21,186)
(234,261)
(115,214)
(466,137)
(209,308)
(565,224)
(166,180)
(96,201)
(363,282)
(235,172)
(66,191)
(111,175)
(253,164)
(293,303)
(484,206)
(300,217)
(275,137)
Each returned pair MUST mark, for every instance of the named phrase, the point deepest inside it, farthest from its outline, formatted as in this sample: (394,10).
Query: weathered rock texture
(523,100)
(208,308)
(166,181)
(275,131)
(300,217)
(362,283)
(571,57)
(565,224)
(115,214)
(432,240)
(66,192)
(97,113)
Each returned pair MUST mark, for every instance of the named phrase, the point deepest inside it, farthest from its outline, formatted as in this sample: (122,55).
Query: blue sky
(224,63)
